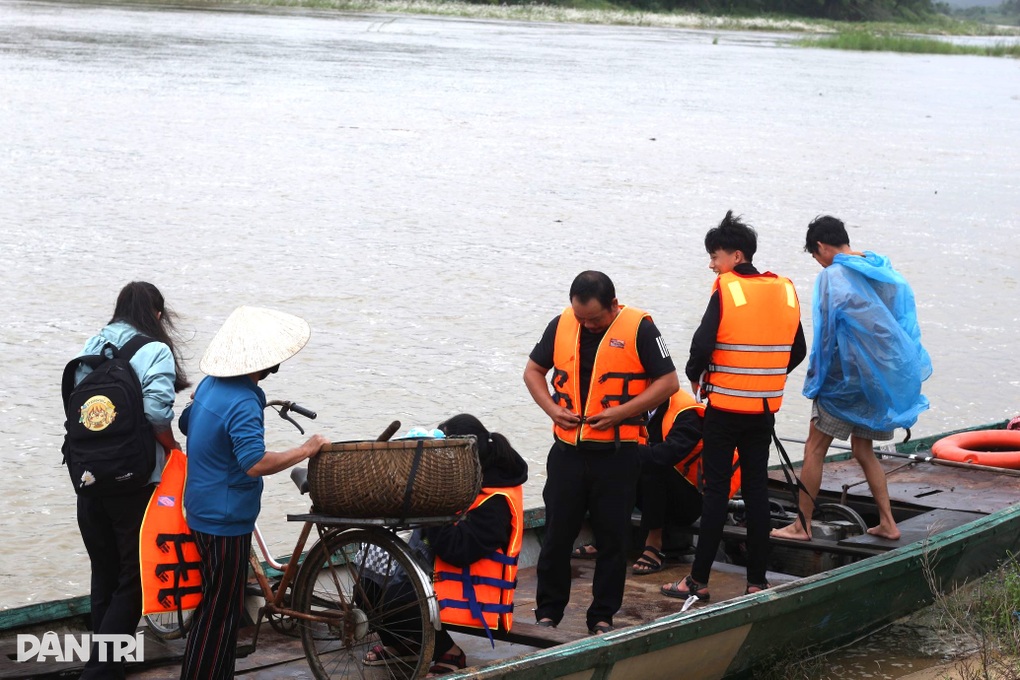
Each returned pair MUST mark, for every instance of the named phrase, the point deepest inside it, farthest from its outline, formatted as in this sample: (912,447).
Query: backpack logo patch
(97,413)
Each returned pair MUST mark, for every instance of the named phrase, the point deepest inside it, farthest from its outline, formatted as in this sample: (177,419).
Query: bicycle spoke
(363,583)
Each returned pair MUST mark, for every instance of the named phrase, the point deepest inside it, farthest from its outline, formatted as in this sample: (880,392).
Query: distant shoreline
(938,25)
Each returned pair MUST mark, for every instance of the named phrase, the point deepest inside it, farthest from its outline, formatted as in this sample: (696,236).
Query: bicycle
(338,594)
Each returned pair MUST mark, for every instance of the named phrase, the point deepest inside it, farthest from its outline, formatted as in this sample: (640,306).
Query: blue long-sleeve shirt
(225,427)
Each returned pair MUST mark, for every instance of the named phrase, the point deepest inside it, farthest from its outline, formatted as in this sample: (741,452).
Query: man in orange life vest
(610,366)
(749,339)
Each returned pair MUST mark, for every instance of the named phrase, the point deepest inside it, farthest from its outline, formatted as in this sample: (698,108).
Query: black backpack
(109,445)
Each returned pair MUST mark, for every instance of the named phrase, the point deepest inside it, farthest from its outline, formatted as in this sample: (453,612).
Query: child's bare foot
(793,532)
(882,531)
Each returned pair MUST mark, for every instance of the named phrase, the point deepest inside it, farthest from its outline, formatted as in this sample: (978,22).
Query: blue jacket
(867,361)
(154,366)
(225,428)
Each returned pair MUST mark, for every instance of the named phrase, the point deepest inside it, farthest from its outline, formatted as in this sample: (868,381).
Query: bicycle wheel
(166,625)
(364,584)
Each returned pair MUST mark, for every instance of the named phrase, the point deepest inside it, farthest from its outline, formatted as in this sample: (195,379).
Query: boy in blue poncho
(866,367)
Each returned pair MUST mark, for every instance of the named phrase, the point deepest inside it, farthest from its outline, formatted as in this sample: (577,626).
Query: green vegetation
(1006,14)
(986,616)
(868,41)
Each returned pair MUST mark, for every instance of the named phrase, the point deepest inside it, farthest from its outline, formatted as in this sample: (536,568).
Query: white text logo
(78,647)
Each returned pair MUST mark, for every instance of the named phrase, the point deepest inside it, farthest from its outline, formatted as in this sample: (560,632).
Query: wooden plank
(734,533)
(917,528)
(522,633)
(44,612)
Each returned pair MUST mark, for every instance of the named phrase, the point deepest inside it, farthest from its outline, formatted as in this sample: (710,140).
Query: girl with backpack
(109,518)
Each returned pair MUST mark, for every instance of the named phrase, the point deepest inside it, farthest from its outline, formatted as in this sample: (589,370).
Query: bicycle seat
(299,475)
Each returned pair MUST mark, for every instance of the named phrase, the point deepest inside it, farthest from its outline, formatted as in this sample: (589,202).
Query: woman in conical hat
(227,459)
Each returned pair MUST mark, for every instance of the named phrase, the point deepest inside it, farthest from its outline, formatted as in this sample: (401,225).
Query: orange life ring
(997,448)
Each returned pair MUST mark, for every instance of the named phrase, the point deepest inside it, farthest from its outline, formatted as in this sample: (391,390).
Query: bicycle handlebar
(302,411)
(287,406)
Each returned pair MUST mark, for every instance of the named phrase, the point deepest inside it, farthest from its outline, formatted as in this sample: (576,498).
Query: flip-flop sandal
(384,656)
(646,564)
(582,552)
(690,587)
(447,663)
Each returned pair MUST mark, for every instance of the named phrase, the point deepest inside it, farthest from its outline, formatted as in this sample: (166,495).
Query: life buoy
(997,448)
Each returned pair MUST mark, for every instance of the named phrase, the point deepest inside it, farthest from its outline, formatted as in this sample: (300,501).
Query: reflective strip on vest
(746,371)
(743,393)
(754,348)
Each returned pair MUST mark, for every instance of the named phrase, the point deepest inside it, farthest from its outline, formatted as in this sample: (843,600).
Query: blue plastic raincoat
(867,362)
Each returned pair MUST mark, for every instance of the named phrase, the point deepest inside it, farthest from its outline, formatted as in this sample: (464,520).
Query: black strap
(410,480)
(793,483)
(132,346)
(93,360)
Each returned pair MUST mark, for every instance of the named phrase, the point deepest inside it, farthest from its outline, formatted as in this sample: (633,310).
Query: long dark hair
(493,448)
(141,305)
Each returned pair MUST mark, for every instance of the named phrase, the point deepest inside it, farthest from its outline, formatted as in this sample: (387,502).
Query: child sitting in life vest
(484,542)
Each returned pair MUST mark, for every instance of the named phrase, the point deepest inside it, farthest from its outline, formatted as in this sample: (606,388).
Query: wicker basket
(370,479)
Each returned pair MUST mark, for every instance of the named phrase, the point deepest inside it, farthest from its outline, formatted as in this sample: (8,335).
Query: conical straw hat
(253,339)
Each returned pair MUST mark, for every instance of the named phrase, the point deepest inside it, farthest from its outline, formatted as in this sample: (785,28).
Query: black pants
(398,622)
(751,435)
(666,497)
(601,483)
(212,643)
(109,527)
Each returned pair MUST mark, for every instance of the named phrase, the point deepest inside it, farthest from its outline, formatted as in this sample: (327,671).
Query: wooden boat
(958,523)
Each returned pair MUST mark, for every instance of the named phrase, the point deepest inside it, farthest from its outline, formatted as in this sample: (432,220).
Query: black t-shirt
(650,348)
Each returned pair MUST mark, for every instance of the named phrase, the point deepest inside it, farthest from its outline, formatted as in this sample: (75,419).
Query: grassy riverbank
(867,41)
(604,12)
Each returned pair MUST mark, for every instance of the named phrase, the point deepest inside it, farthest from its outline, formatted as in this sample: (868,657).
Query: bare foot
(793,532)
(881,531)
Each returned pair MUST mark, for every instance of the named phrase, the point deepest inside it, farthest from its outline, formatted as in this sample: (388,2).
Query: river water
(423,191)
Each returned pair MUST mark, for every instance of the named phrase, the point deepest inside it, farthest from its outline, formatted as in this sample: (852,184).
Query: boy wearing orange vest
(672,478)
(668,489)
(750,338)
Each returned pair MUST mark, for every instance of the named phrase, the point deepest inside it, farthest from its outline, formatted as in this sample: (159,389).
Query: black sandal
(646,564)
(692,588)
(758,587)
(581,552)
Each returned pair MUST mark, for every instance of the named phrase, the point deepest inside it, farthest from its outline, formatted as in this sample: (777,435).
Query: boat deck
(279,656)
(927,498)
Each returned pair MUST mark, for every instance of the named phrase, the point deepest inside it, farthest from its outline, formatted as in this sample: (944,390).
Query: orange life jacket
(616,378)
(690,467)
(166,550)
(481,595)
(758,319)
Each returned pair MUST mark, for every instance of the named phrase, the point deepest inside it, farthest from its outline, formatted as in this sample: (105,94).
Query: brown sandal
(448,663)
